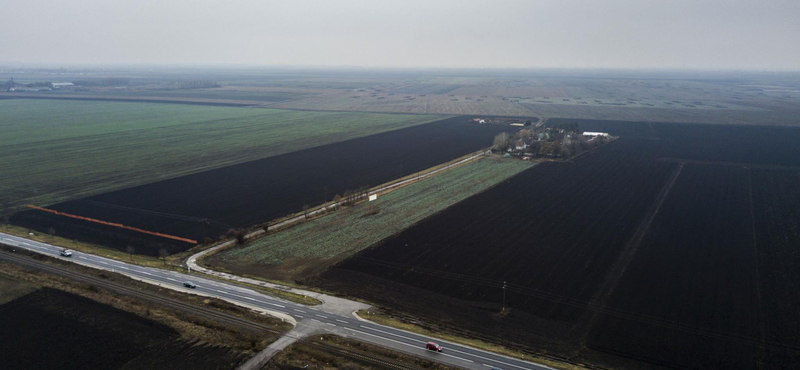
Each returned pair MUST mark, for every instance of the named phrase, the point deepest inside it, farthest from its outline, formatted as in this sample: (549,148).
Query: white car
(66,253)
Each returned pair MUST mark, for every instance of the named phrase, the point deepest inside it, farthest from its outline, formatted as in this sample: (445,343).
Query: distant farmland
(208,204)
(673,246)
(59,150)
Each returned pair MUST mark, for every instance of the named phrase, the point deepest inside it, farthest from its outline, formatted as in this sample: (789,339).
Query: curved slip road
(308,318)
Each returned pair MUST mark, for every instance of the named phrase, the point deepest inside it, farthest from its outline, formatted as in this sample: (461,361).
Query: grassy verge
(11,288)
(309,247)
(188,325)
(384,319)
(172,262)
(289,296)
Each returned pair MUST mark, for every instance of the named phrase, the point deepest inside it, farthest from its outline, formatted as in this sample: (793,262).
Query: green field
(54,150)
(308,248)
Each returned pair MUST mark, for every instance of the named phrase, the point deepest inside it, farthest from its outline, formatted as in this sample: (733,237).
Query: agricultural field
(671,247)
(73,332)
(551,233)
(776,207)
(60,150)
(309,248)
(694,281)
(208,204)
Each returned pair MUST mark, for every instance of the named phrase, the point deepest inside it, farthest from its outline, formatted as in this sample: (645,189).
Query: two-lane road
(349,326)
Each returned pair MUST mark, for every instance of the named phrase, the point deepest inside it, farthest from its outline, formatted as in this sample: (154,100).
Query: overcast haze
(714,34)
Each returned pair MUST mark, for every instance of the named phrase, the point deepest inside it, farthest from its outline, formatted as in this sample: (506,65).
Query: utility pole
(504,296)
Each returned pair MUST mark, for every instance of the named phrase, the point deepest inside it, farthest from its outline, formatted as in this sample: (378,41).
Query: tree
(336,200)
(240,236)
(501,142)
(52,232)
(305,211)
(163,254)
(557,149)
(131,250)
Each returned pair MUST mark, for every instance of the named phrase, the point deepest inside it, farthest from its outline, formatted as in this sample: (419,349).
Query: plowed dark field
(674,247)
(208,204)
(50,329)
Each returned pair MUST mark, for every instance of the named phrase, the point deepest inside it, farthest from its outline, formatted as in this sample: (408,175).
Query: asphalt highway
(305,316)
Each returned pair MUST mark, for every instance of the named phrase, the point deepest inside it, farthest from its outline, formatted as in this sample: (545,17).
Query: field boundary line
(173,237)
(616,272)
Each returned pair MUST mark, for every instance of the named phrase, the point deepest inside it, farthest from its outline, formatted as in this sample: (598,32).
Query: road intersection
(306,319)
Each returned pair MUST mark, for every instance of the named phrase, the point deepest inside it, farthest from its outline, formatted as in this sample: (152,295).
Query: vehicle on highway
(433,347)
(66,253)
(189,284)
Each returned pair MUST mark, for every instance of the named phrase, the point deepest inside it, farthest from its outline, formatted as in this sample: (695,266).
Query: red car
(433,347)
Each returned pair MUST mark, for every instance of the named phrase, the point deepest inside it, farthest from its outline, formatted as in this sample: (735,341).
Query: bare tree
(336,200)
(501,141)
(305,211)
(52,232)
(131,250)
(163,254)
(241,235)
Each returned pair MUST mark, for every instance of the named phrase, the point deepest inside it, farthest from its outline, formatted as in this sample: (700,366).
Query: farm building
(594,134)
(59,85)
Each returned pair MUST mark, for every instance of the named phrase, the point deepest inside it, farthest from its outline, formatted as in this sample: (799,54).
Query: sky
(640,34)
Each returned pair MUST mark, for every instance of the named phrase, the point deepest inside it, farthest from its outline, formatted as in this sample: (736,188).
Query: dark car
(189,284)
(433,347)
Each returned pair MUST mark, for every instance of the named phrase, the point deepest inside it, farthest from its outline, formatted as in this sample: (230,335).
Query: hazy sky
(715,34)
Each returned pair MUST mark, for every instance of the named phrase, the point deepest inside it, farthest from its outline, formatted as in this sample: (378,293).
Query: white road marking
(488,359)
(396,335)
(342,321)
(448,348)
(406,344)
(463,359)
(300,310)
(315,320)
(318,315)
(331,324)
(299,316)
